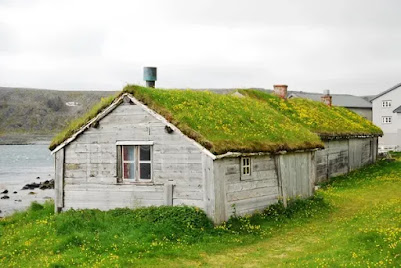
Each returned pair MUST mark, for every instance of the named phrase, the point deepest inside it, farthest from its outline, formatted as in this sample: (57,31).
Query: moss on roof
(318,117)
(76,124)
(258,123)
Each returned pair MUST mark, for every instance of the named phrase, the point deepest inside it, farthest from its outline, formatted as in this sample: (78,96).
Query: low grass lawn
(354,220)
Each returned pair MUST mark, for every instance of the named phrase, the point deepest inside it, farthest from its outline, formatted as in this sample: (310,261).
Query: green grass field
(354,220)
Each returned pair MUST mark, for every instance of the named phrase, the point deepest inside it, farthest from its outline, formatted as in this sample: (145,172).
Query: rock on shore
(48,184)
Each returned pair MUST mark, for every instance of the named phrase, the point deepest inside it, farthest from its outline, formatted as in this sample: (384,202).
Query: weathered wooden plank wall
(297,174)
(342,156)
(333,160)
(86,170)
(248,193)
(90,164)
(360,153)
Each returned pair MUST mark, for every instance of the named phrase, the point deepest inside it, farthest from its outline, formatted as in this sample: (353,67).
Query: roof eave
(99,116)
(385,92)
(112,106)
(350,136)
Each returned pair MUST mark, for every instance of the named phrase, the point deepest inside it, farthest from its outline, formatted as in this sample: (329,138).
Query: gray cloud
(74,43)
(8,41)
(346,46)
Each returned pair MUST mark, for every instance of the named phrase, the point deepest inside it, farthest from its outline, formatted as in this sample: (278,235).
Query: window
(245,166)
(134,162)
(386,103)
(386,119)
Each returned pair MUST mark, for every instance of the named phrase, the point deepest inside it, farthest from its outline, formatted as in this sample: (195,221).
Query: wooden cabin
(152,147)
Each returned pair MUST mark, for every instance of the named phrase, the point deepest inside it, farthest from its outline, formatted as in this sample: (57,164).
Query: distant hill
(29,115)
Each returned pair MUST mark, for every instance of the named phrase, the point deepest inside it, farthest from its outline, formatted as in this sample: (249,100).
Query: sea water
(20,164)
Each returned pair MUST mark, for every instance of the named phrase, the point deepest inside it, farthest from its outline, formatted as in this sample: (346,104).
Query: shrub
(35,206)
(296,208)
(163,221)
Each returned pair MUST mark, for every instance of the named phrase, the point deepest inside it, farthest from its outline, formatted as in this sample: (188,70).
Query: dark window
(135,162)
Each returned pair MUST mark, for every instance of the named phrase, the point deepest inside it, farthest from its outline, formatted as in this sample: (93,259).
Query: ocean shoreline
(21,165)
(19,199)
(25,139)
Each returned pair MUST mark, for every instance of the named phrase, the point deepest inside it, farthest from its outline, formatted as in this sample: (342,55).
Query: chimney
(150,76)
(281,91)
(326,98)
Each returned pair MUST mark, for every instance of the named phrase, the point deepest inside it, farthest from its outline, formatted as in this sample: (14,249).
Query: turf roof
(327,122)
(222,123)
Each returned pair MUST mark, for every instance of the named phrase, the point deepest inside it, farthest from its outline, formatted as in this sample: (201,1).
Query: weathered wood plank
(250,205)
(187,202)
(104,206)
(247,185)
(219,189)
(112,196)
(59,180)
(114,188)
(208,186)
(186,167)
(188,195)
(168,194)
(252,193)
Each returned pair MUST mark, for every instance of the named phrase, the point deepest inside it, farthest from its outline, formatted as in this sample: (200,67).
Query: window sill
(139,183)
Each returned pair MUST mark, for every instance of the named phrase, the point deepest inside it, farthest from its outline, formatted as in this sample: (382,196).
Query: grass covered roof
(319,118)
(222,123)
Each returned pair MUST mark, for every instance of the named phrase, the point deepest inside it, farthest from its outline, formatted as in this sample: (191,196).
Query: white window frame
(245,166)
(137,161)
(386,103)
(387,120)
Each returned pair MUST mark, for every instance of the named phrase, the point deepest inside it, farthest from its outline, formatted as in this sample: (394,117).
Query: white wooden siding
(255,192)
(91,164)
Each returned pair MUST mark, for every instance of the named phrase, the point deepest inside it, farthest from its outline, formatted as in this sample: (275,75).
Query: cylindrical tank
(150,76)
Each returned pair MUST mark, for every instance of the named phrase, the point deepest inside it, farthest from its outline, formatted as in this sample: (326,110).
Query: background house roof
(397,110)
(386,91)
(257,122)
(343,100)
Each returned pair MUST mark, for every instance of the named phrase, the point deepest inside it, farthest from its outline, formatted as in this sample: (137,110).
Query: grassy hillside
(353,221)
(31,112)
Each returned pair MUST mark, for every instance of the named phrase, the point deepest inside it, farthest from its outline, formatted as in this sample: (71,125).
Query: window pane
(145,171)
(128,153)
(129,170)
(144,152)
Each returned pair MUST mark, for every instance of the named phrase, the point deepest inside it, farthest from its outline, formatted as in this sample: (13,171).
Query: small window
(386,119)
(386,103)
(245,166)
(134,163)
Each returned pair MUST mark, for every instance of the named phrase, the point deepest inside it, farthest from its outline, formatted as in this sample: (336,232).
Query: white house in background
(387,115)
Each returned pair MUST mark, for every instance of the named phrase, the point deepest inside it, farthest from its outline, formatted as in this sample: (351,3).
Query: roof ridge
(386,91)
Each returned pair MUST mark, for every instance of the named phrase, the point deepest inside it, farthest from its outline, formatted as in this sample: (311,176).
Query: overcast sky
(347,46)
